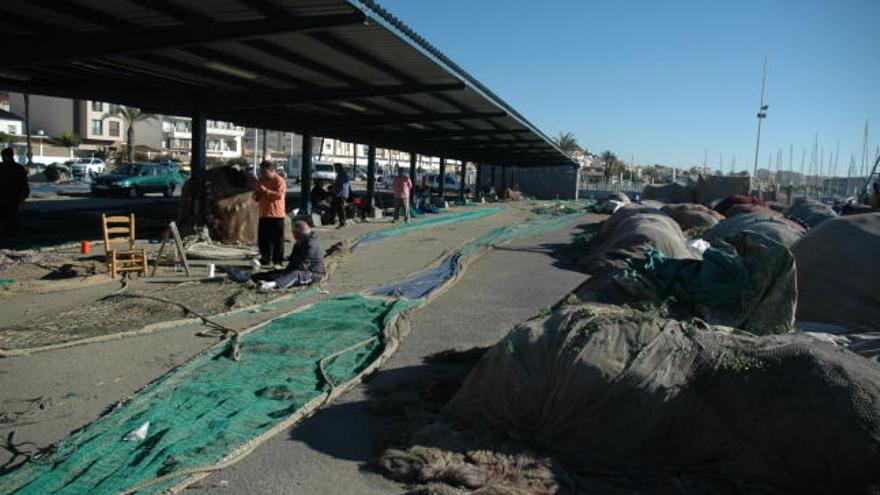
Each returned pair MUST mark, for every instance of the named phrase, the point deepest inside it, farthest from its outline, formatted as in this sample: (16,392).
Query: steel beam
(413,159)
(441,180)
(351,123)
(40,49)
(198,160)
(462,186)
(371,178)
(247,100)
(443,134)
(305,189)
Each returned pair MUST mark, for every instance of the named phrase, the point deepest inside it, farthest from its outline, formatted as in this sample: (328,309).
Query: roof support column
(503,179)
(478,183)
(462,187)
(29,153)
(354,161)
(265,143)
(198,160)
(371,178)
(413,158)
(441,181)
(305,182)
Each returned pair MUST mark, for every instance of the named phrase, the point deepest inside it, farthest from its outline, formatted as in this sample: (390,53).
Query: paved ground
(333,451)
(327,453)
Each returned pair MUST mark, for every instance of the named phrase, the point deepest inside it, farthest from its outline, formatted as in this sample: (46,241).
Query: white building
(172,135)
(335,151)
(11,124)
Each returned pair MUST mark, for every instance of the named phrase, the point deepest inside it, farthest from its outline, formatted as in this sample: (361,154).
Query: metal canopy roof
(343,69)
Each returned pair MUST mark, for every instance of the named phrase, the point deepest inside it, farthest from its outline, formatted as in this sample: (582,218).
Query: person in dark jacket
(14,190)
(341,192)
(305,266)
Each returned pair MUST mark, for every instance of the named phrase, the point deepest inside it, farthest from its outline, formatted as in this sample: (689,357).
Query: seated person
(306,264)
(489,193)
(322,201)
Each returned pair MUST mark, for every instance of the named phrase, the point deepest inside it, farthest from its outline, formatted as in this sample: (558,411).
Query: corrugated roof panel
(379,52)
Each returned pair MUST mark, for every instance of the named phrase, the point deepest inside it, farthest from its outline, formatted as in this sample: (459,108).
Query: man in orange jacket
(269,193)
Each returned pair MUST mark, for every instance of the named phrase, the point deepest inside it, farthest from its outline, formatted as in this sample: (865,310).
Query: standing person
(269,193)
(402,187)
(341,192)
(14,190)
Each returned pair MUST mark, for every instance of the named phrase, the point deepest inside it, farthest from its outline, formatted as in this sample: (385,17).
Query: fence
(598,190)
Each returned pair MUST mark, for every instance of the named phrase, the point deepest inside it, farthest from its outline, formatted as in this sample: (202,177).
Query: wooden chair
(120,230)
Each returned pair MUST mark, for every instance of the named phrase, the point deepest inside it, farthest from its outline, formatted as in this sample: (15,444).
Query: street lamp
(762,114)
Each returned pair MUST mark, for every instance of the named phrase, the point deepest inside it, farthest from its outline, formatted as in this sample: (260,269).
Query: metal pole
(27,124)
(441,180)
(256,143)
(462,188)
(371,178)
(198,162)
(761,116)
(478,183)
(265,144)
(413,158)
(305,182)
(503,179)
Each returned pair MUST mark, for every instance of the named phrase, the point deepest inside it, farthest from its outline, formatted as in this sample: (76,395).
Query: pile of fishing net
(839,273)
(737,200)
(612,203)
(556,209)
(810,213)
(628,234)
(624,397)
(748,281)
(231,210)
(693,216)
(773,226)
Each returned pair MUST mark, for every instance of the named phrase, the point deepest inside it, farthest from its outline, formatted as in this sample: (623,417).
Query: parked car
(450,185)
(137,179)
(82,167)
(324,171)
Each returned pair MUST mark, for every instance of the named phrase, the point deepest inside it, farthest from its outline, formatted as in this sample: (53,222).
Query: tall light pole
(762,114)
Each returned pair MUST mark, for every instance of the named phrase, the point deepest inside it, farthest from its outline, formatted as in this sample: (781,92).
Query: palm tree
(131,116)
(610,160)
(567,142)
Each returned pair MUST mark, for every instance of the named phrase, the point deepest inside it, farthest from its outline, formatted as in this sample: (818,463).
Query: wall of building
(53,116)
(149,133)
(711,188)
(111,128)
(549,182)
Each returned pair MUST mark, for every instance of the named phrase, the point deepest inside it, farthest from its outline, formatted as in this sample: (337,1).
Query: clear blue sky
(666,80)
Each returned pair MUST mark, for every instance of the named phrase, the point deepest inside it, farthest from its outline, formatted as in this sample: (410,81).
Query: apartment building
(94,122)
(333,150)
(224,139)
(279,144)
